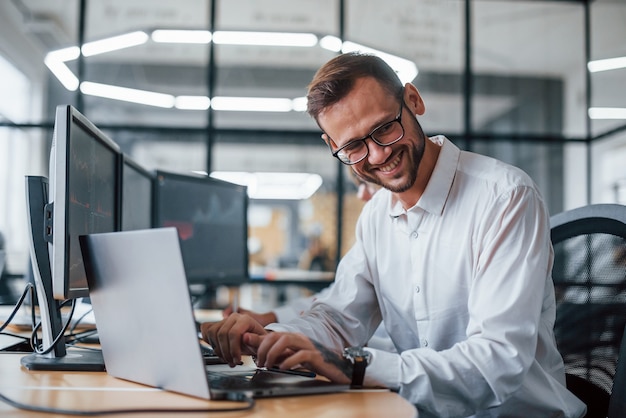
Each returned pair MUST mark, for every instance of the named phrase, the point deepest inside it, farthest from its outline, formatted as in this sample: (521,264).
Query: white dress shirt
(463,283)
(296,307)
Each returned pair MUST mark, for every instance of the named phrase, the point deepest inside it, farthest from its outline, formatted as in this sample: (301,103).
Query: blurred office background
(517,80)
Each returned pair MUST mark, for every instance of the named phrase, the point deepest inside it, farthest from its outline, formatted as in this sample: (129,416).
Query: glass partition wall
(218,86)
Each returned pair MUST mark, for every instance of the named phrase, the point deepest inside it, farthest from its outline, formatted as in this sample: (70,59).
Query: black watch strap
(358,372)
(359,358)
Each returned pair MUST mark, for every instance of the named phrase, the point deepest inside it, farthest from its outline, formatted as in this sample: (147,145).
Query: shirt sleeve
(293,309)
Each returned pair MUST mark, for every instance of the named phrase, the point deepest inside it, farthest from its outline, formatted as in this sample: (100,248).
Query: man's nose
(378,154)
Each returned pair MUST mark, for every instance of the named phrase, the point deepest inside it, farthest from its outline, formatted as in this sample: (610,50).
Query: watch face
(354,351)
(357,353)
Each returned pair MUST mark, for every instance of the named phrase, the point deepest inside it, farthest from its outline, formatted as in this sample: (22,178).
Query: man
(453,253)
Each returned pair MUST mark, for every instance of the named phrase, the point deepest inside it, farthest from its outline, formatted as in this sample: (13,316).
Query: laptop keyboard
(229,381)
(209,357)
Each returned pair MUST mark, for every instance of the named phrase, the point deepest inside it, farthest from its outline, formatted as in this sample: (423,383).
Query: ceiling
(524,38)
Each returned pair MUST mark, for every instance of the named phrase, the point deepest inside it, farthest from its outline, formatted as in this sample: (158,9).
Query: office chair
(617,404)
(589,276)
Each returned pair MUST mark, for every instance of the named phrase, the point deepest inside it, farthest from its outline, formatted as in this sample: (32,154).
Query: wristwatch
(359,358)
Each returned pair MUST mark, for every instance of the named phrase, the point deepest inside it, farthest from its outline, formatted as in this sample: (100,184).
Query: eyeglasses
(384,135)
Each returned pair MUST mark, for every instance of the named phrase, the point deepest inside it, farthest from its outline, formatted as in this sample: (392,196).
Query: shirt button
(424,343)
(417,289)
(414,234)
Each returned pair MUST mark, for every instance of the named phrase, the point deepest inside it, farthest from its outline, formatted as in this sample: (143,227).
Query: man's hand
(290,350)
(226,336)
(263,318)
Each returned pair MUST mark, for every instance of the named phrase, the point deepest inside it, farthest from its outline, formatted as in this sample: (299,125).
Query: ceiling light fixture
(264,38)
(251,104)
(128,95)
(606,64)
(299,104)
(181,36)
(331,43)
(287,186)
(192,102)
(56,62)
(114,43)
(406,70)
(607,113)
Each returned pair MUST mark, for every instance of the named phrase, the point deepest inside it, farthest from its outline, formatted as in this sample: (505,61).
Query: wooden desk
(97,390)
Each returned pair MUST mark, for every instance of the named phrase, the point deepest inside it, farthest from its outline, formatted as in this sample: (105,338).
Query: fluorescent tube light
(181,36)
(55,61)
(406,70)
(114,43)
(331,43)
(606,64)
(251,104)
(289,186)
(607,113)
(192,102)
(299,104)
(65,54)
(264,38)
(127,95)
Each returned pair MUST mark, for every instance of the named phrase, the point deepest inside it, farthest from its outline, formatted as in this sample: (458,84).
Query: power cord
(34,338)
(80,319)
(72,339)
(29,289)
(249,404)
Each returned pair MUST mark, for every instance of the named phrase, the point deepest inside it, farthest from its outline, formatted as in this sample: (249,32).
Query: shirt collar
(434,198)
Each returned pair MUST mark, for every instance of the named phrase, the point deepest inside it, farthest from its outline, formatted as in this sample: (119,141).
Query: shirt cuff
(383,370)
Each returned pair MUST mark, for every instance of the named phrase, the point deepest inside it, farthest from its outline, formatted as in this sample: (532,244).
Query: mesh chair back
(617,405)
(590,283)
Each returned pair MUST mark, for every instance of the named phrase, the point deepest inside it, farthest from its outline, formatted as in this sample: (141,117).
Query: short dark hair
(335,79)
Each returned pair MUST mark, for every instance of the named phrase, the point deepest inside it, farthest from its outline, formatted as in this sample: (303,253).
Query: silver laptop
(146,325)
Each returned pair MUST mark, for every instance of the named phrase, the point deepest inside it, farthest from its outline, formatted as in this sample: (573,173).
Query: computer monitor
(137,189)
(211,218)
(83,198)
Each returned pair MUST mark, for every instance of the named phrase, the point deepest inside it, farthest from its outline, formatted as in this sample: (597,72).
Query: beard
(413,150)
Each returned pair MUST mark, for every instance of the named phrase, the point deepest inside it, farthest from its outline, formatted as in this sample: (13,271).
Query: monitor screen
(211,218)
(137,187)
(84,196)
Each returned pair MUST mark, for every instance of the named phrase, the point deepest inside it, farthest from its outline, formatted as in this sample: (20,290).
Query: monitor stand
(51,322)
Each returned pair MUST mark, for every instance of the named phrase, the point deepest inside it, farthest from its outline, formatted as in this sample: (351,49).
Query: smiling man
(453,254)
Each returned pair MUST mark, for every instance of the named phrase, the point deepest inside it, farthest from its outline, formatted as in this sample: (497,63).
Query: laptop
(146,324)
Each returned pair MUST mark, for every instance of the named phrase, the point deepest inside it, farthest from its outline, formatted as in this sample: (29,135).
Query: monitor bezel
(210,282)
(68,118)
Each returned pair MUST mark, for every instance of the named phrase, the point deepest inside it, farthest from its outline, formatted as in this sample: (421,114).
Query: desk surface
(97,390)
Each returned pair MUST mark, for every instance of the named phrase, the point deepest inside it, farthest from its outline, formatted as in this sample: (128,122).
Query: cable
(34,339)
(36,344)
(29,288)
(76,338)
(33,408)
(77,322)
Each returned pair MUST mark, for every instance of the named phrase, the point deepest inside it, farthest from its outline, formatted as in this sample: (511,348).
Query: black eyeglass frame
(370,135)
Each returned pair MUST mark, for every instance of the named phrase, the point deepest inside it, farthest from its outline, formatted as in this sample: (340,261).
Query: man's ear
(413,99)
(328,141)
